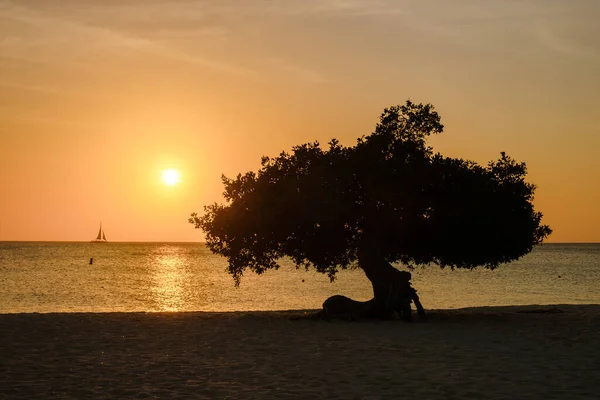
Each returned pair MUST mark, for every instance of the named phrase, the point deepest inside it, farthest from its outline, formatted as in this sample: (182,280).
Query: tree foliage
(320,206)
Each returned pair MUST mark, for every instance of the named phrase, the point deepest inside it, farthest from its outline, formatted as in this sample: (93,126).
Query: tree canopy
(391,191)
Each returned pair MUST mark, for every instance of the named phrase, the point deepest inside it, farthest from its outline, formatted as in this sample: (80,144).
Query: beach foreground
(549,352)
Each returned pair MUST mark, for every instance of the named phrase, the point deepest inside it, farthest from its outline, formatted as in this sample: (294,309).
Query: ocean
(43,277)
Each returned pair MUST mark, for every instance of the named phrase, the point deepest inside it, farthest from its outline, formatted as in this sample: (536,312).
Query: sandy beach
(524,352)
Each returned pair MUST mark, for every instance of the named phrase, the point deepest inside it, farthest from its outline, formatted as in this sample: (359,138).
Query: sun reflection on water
(169,276)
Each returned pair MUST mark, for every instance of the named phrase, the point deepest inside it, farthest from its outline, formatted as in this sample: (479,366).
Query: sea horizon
(201,242)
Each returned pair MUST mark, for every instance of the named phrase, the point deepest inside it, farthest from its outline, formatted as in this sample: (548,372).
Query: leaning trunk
(392,293)
(391,288)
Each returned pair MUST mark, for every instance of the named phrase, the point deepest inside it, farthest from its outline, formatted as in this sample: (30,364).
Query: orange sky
(97,97)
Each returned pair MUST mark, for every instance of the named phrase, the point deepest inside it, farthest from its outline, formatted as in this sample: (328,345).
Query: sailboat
(101,238)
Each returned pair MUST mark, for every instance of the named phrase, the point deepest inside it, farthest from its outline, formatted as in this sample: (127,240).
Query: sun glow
(171,177)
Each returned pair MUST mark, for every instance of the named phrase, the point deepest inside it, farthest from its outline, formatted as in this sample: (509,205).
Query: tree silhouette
(387,199)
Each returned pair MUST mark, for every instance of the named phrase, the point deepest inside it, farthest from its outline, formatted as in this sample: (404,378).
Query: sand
(525,352)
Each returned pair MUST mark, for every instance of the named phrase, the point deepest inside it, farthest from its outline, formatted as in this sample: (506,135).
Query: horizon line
(191,241)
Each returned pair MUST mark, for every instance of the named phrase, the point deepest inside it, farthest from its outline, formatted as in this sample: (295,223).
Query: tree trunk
(392,292)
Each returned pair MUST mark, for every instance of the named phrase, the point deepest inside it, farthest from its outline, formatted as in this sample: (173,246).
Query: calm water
(57,277)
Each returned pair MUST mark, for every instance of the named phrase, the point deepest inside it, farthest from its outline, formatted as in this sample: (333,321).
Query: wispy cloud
(302,72)
(554,41)
(227,36)
(339,8)
(52,90)
(65,31)
(25,117)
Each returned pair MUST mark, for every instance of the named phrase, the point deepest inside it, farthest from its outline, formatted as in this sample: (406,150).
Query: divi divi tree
(388,199)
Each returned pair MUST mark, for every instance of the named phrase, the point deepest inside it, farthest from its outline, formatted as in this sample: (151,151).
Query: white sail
(101,238)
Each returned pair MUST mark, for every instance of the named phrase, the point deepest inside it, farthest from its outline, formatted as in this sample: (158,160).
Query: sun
(171,176)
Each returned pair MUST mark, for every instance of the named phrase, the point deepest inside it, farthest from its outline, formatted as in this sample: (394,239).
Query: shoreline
(292,313)
(534,351)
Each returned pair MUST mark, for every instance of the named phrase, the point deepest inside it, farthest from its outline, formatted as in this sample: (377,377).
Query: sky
(97,97)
